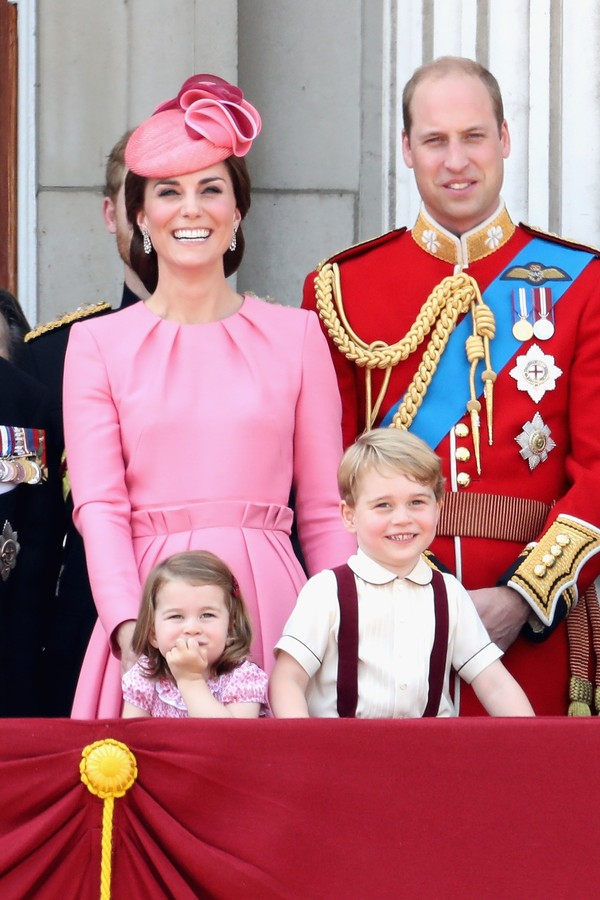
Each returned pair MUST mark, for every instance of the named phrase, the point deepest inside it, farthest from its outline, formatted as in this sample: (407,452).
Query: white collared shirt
(396,632)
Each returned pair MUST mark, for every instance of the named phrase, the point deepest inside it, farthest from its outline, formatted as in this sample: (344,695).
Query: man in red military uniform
(483,337)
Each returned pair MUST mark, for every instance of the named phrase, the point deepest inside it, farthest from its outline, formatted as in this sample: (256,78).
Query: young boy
(404,625)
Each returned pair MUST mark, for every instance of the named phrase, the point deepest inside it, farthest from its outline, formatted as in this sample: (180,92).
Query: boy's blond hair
(389,448)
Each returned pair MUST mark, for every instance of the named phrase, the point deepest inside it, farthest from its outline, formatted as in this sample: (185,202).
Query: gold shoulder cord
(448,300)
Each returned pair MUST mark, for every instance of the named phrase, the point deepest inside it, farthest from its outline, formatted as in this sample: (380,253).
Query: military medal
(19,472)
(536,373)
(9,549)
(543,326)
(535,441)
(10,471)
(522,328)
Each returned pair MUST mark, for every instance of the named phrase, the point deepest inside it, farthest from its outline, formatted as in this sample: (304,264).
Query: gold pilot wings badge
(535,273)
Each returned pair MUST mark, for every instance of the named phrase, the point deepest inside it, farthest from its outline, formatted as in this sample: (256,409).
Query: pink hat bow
(208,121)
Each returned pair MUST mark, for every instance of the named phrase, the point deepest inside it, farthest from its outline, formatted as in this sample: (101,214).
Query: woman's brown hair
(145,265)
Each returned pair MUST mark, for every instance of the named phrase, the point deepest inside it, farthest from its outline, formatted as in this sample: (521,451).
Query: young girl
(193,636)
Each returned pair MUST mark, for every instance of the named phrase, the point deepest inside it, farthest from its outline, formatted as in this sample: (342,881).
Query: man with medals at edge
(29,548)
(483,338)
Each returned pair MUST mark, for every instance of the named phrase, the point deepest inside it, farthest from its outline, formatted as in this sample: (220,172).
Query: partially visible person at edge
(73,613)
(13,327)
(206,405)
(508,401)
(29,549)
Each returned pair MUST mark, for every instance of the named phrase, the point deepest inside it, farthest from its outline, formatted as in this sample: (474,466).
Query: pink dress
(160,697)
(190,437)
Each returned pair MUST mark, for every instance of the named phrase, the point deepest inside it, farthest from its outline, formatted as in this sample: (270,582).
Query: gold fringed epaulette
(82,312)
(362,247)
(534,231)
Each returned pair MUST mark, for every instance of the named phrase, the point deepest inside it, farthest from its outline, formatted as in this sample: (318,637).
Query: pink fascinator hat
(207,122)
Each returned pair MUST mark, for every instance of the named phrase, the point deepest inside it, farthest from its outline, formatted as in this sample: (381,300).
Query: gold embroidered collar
(469,247)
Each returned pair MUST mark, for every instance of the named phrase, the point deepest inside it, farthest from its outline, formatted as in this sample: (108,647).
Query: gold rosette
(108,769)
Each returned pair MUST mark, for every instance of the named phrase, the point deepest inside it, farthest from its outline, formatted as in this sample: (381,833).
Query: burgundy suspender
(347,681)
(437,660)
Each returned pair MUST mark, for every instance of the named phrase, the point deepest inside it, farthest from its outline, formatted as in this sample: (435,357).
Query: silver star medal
(9,549)
(536,373)
(535,441)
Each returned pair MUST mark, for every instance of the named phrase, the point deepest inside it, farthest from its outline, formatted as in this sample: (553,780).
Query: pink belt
(146,522)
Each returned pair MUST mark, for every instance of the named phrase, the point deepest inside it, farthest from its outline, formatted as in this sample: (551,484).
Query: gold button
(555,550)
(463,454)
(539,571)
(548,560)
(463,479)
(461,430)
(563,540)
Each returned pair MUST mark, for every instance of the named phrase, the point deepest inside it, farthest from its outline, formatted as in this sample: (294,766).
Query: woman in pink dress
(190,417)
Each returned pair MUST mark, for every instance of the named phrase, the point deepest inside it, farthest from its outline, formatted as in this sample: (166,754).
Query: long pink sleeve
(97,472)
(317,453)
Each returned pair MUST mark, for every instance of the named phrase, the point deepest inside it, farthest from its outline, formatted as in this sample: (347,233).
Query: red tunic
(383,285)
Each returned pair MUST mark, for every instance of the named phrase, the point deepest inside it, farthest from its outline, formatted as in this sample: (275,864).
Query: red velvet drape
(468,808)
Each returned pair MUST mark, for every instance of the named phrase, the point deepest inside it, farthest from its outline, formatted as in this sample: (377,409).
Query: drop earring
(147,241)
(233,243)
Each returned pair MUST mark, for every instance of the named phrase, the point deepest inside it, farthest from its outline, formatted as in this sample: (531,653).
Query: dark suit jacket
(26,596)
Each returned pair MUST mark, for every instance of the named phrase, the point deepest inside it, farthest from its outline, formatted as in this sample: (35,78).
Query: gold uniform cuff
(546,576)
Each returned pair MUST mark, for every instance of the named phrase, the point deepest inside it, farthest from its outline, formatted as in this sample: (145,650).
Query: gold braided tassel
(485,325)
(108,768)
(474,407)
(475,353)
(580,695)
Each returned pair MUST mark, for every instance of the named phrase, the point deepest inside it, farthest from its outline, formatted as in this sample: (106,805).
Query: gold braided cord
(456,291)
(106,844)
(447,301)
(108,768)
(373,410)
(438,316)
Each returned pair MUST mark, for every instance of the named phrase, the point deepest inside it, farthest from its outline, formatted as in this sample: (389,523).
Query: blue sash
(446,400)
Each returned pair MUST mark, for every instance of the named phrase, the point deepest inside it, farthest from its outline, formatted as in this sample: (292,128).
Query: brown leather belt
(492,516)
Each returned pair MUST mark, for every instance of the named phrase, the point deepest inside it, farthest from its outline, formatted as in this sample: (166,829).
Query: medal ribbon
(16,441)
